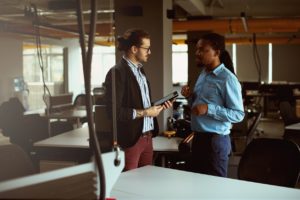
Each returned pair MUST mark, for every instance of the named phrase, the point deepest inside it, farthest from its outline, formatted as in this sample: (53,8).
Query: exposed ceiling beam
(235,25)
(249,40)
(193,7)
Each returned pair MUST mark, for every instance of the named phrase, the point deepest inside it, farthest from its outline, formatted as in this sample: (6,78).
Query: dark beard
(200,65)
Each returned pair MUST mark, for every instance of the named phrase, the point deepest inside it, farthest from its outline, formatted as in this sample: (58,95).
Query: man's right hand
(153,111)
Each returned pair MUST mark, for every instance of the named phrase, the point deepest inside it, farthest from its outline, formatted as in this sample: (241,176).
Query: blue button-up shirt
(142,81)
(221,91)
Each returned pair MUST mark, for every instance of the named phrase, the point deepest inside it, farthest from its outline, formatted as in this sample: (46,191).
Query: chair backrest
(80,100)
(14,162)
(61,102)
(270,161)
(287,113)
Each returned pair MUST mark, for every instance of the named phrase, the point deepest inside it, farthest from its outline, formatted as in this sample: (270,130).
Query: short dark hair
(131,37)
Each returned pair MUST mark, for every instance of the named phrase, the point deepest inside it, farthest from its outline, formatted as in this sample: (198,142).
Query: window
(103,59)
(53,63)
(180,64)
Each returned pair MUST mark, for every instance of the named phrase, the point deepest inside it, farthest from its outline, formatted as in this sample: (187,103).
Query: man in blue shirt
(216,103)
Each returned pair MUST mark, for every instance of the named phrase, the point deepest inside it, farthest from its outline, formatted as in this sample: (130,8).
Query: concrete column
(193,70)
(152,17)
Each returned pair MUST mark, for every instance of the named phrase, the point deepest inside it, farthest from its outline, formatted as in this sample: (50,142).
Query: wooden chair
(270,161)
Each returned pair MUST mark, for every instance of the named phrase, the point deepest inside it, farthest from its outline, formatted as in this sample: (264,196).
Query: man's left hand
(168,104)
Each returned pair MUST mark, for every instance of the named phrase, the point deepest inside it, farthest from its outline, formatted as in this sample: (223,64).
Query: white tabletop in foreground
(152,182)
(293,126)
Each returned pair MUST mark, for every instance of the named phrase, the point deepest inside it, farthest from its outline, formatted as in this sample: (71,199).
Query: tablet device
(169,97)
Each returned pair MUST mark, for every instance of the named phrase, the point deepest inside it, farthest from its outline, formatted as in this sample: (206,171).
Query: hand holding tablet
(169,97)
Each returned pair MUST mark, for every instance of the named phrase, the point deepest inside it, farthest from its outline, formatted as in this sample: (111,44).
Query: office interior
(261,36)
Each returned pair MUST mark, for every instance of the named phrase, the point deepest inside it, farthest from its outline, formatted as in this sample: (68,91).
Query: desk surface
(152,182)
(67,114)
(78,138)
(293,126)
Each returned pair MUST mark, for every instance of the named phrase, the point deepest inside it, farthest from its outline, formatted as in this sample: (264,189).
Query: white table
(152,182)
(293,127)
(292,132)
(77,139)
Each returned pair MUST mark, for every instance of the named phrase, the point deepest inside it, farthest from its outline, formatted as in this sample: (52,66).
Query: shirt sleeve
(134,114)
(233,109)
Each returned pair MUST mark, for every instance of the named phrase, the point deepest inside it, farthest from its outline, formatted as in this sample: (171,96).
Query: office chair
(288,113)
(22,130)
(14,162)
(80,100)
(270,161)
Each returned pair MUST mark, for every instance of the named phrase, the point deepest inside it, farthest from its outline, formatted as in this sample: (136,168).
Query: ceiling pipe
(265,25)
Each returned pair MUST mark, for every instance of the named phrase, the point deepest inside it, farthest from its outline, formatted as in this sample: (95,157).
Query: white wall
(246,68)
(11,65)
(286,66)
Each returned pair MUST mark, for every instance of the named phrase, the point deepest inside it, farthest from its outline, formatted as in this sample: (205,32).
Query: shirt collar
(218,69)
(130,63)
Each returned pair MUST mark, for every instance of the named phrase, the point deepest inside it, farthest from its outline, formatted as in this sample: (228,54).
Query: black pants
(210,153)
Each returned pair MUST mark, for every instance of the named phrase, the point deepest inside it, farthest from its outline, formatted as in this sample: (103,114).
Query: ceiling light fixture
(244,21)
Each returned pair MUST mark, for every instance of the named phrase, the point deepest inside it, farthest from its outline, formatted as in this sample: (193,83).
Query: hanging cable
(86,61)
(36,22)
(257,64)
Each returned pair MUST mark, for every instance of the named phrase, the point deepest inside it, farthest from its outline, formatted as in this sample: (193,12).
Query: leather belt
(147,134)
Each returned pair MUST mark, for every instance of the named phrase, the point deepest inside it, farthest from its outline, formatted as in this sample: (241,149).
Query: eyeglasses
(146,48)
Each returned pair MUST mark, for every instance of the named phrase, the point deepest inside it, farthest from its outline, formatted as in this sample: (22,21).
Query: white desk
(77,140)
(293,127)
(292,132)
(152,182)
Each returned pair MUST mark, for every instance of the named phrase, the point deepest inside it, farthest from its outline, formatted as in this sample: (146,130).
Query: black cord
(257,64)
(86,61)
(40,55)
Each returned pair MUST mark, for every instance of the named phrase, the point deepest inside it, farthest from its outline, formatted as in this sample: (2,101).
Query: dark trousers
(210,153)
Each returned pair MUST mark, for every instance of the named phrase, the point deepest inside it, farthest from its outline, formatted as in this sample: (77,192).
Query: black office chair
(22,130)
(270,161)
(14,162)
(288,113)
(80,100)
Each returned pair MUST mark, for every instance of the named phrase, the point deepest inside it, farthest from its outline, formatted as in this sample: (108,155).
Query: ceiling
(276,21)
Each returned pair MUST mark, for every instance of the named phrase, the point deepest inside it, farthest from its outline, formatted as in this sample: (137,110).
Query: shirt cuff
(211,110)
(134,114)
